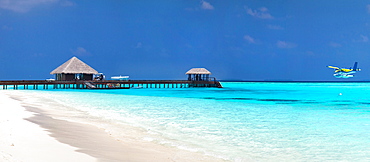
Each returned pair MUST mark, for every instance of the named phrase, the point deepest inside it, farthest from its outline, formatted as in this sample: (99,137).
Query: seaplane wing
(337,69)
(333,67)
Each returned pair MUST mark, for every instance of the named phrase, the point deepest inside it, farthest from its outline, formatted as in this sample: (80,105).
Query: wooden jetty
(75,74)
(106,84)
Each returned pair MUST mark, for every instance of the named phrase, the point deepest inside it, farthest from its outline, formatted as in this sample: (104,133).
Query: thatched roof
(74,66)
(198,71)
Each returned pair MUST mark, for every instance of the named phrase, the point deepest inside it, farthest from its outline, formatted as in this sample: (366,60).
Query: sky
(251,40)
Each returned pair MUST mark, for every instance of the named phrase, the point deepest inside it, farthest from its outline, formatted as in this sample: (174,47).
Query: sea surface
(244,121)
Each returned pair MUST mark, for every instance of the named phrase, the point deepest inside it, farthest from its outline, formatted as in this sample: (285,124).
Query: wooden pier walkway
(106,84)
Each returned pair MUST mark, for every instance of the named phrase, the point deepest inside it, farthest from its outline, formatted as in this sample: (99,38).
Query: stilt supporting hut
(74,69)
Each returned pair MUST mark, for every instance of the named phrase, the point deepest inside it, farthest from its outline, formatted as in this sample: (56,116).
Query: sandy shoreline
(34,133)
(21,140)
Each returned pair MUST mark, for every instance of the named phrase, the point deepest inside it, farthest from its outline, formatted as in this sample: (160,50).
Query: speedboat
(120,77)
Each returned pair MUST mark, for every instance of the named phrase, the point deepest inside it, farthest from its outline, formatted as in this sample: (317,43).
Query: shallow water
(243,121)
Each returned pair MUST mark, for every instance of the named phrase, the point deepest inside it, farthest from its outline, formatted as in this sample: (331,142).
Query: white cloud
(80,51)
(310,53)
(275,27)
(249,39)
(335,45)
(7,28)
(139,45)
(364,38)
(261,13)
(23,6)
(38,55)
(361,39)
(207,6)
(284,44)
(67,3)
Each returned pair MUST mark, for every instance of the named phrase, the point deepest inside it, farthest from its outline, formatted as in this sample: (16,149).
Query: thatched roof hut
(198,74)
(198,71)
(74,69)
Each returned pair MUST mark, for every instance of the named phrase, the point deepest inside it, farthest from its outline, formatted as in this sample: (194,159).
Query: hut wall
(198,77)
(87,77)
(58,77)
(64,77)
(68,77)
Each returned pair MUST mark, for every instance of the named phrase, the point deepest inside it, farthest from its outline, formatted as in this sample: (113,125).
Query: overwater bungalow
(198,74)
(74,69)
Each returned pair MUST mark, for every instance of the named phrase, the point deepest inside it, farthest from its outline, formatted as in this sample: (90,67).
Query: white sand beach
(32,133)
(22,140)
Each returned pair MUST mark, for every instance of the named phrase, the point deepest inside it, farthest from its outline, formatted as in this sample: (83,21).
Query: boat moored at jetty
(120,77)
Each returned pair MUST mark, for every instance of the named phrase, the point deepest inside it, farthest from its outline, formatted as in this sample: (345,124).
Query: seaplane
(345,72)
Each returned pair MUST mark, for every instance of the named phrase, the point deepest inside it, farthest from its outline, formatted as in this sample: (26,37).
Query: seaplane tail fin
(355,67)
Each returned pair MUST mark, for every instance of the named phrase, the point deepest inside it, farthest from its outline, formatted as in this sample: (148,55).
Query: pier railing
(105,84)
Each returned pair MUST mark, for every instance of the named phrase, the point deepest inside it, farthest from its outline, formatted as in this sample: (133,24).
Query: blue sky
(246,40)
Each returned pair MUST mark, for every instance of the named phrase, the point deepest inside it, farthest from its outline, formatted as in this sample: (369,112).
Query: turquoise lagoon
(244,121)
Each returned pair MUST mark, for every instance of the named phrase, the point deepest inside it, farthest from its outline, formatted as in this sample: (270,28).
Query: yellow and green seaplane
(345,72)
